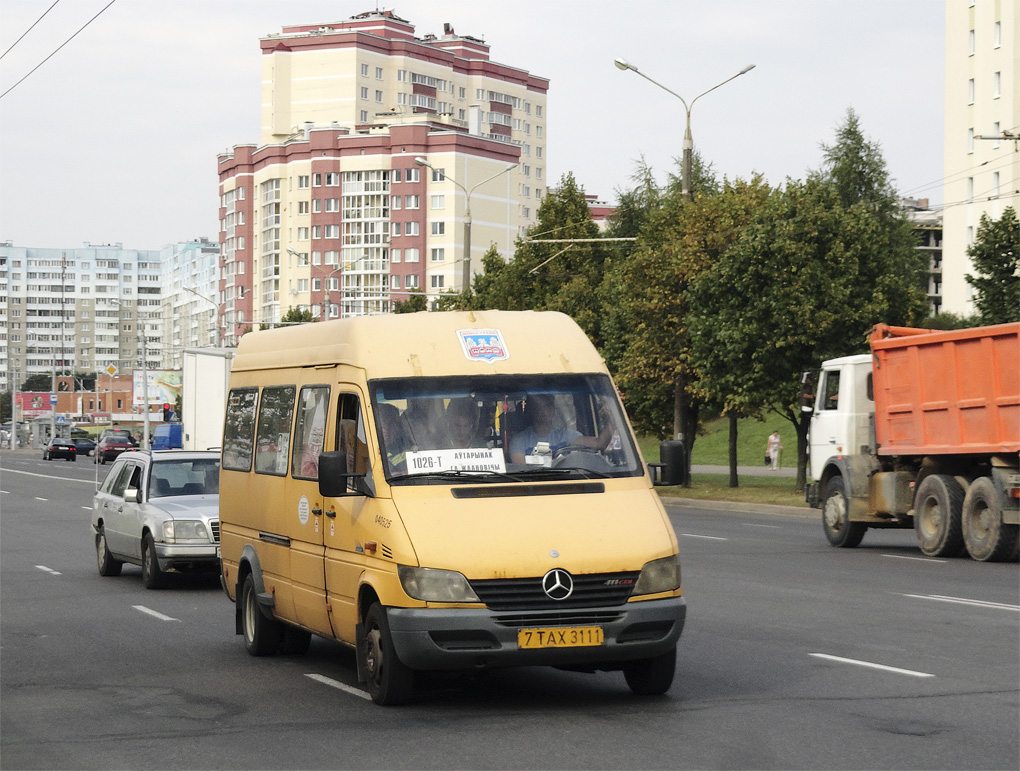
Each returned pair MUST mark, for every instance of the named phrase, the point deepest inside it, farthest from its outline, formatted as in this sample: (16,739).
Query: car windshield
(502,429)
(193,476)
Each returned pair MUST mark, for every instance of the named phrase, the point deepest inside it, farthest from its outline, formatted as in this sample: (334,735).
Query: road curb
(676,501)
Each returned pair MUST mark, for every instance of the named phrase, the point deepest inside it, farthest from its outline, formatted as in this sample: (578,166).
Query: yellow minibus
(444,491)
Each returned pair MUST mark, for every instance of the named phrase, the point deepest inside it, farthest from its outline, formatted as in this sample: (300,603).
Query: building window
(317,180)
(438,202)
(438,255)
(437,282)
(995,184)
(302,207)
(302,234)
(411,229)
(395,175)
(302,182)
(410,282)
(333,179)
(317,205)
(997,35)
(302,285)
(363,116)
(970,91)
(996,85)
(413,175)
(395,201)
(394,255)
(997,127)
(438,175)
(394,282)
(378,73)
(439,228)
(364,70)
(410,255)
(316,231)
(378,96)
(332,204)
(970,188)
(402,76)
(970,140)
(397,228)
(411,201)
(364,92)
(970,42)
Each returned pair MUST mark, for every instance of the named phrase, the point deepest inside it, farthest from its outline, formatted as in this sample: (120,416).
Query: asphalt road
(795,655)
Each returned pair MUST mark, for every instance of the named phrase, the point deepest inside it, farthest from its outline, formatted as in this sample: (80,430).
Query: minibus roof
(427,344)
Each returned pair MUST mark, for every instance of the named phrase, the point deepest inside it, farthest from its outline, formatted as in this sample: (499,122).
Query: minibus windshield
(502,428)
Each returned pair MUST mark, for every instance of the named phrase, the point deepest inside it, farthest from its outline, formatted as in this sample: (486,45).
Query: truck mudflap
(856,472)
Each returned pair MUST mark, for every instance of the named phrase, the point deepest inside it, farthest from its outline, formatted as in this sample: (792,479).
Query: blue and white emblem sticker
(483,344)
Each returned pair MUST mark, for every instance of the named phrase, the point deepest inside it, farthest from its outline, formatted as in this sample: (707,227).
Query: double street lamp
(623,64)
(466,265)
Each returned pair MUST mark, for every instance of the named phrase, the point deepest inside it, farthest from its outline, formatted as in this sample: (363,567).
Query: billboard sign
(164,386)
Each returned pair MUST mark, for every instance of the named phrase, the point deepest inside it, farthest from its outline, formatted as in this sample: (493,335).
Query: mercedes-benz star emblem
(558,584)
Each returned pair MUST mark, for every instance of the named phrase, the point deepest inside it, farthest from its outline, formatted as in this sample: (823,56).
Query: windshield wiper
(559,471)
(457,475)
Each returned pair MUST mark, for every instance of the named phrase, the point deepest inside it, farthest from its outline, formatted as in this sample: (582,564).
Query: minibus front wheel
(261,635)
(651,677)
(390,681)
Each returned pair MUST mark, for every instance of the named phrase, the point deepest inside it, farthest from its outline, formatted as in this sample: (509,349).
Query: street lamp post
(623,64)
(216,310)
(466,266)
(325,289)
(145,381)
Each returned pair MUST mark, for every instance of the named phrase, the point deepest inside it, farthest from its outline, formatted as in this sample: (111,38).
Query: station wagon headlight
(184,530)
(434,585)
(661,575)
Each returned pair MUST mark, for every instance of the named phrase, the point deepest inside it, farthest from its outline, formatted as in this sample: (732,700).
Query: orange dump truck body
(947,393)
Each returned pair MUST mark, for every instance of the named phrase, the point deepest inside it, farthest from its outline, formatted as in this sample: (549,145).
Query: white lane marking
(337,684)
(753,524)
(154,614)
(706,537)
(916,559)
(87,508)
(51,571)
(50,477)
(871,665)
(965,601)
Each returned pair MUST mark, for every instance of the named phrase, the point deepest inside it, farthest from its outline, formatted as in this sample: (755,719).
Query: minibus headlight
(434,585)
(184,530)
(662,575)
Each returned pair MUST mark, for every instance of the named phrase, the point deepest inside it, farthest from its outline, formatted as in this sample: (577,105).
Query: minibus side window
(310,431)
(239,429)
(350,436)
(272,437)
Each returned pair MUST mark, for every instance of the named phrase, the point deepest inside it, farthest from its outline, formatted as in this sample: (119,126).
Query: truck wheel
(152,576)
(836,517)
(937,521)
(261,635)
(108,566)
(390,681)
(986,537)
(651,677)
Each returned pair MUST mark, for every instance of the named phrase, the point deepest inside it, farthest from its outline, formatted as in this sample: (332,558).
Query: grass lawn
(712,449)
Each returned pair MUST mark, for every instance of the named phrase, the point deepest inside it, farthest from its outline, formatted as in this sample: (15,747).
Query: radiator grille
(215,525)
(591,590)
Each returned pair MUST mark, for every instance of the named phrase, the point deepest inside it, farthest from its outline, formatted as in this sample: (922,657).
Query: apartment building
(190,283)
(381,154)
(982,128)
(77,310)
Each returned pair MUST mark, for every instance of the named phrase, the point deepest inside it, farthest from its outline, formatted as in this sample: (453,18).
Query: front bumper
(467,638)
(188,556)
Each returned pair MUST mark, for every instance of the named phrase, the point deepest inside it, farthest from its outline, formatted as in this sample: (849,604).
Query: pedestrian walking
(772,448)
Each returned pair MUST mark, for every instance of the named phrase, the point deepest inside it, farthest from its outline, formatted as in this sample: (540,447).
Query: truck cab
(843,406)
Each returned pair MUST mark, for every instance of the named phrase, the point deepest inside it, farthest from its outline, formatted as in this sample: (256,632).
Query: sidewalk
(750,471)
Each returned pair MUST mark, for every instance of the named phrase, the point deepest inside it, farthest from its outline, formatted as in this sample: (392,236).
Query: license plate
(560,637)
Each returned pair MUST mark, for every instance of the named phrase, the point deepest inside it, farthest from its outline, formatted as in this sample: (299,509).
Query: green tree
(995,254)
(37,382)
(413,304)
(563,277)
(297,316)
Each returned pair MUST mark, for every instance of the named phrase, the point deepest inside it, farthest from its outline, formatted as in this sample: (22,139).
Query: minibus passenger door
(343,503)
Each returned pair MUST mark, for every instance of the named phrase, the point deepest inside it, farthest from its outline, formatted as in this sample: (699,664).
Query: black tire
(295,641)
(836,522)
(986,537)
(651,677)
(73,459)
(262,635)
(152,576)
(107,565)
(45,456)
(390,681)
(938,507)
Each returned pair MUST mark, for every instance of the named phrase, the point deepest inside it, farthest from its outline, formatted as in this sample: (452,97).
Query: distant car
(110,447)
(159,510)
(60,448)
(75,432)
(85,446)
(123,433)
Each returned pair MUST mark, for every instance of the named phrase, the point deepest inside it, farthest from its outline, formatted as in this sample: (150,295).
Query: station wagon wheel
(108,566)
(390,681)
(152,576)
(261,635)
(651,677)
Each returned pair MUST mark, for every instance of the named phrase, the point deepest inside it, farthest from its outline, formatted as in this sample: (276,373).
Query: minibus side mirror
(672,468)
(334,477)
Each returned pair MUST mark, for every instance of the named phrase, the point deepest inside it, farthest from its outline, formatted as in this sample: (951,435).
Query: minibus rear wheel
(651,677)
(390,681)
(261,635)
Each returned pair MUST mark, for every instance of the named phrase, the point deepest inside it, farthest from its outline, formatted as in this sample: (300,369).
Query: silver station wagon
(159,509)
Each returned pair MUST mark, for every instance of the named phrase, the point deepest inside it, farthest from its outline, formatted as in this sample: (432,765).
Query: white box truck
(204,396)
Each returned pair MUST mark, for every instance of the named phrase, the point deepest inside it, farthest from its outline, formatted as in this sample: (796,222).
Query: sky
(114,139)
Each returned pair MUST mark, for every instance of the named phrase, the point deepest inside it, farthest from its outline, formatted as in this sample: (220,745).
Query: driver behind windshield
(546,435)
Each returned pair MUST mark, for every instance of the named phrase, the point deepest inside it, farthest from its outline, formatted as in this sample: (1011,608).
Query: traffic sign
(53,398)
(112,370)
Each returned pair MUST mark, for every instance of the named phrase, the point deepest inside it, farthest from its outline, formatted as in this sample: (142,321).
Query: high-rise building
(77,310)
(982,128)
(190,282)
(381,155)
